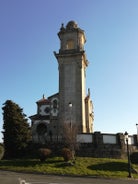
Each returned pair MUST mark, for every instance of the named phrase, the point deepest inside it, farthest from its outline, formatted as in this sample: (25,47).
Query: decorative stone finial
(89,92)
(62,27)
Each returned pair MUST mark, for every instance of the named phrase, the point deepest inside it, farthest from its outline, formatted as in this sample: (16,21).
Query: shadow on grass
(110,166)
(53,161)
(19,163)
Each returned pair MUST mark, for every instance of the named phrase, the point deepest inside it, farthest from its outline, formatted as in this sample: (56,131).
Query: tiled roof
(39,117)
(43,101)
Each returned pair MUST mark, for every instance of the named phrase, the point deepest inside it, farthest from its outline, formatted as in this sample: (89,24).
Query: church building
(72,104)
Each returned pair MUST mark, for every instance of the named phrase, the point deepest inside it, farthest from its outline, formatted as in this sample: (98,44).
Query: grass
(84,166)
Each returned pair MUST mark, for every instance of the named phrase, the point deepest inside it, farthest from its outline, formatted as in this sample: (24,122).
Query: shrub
(134,157)
(1,151)
(44,153)
(67,154)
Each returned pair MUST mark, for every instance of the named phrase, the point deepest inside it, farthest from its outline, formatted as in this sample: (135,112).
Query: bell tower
(72,64)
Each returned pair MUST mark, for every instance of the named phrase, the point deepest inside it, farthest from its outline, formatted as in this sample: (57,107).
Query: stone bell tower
(75,106)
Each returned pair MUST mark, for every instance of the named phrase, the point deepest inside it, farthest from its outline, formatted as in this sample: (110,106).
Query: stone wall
(105,145)
(97,145)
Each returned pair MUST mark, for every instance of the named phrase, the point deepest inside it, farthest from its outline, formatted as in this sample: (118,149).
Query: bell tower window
(70,44)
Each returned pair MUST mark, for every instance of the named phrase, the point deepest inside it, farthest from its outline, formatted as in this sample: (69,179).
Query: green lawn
(84,166)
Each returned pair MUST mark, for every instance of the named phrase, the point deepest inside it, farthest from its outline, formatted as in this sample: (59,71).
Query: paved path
(7,177)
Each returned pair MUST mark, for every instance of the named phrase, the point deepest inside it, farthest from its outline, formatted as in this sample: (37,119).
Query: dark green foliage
(1,151)
(67,154)
(44,153)
(32,151)
(134,157)
(17,133)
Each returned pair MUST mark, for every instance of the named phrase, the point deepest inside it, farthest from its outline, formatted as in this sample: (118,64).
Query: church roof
(54,95)
(39,117)
(43,100)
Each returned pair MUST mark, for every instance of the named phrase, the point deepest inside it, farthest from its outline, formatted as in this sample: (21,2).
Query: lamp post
(70,106)
(137,132)
(128,155)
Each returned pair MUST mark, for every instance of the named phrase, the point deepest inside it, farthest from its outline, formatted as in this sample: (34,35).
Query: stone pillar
(98,139)
(121,140)
(135,140)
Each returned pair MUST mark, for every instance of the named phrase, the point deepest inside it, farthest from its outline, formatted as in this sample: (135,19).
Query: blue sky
(28,68)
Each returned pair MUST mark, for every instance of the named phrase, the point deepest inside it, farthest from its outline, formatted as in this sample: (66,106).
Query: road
(7,177)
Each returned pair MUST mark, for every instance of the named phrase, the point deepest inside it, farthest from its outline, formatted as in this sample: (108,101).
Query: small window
(55,104)
(70,44)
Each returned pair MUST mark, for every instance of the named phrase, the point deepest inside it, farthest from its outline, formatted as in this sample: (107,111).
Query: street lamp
(128,155)
(70,106)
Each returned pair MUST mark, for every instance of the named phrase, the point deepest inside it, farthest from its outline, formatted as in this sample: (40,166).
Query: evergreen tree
(16,134)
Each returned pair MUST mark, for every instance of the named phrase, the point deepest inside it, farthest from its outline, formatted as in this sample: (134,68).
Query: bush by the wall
(44,153)
(134,157)
(67,154)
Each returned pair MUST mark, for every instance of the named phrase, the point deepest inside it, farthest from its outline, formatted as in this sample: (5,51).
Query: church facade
(71,105)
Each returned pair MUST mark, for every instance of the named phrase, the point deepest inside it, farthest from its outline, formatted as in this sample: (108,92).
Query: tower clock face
(47,110)
(44,110)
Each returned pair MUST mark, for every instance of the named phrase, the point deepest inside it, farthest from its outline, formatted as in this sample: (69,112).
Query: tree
(16,130)
(70,137)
